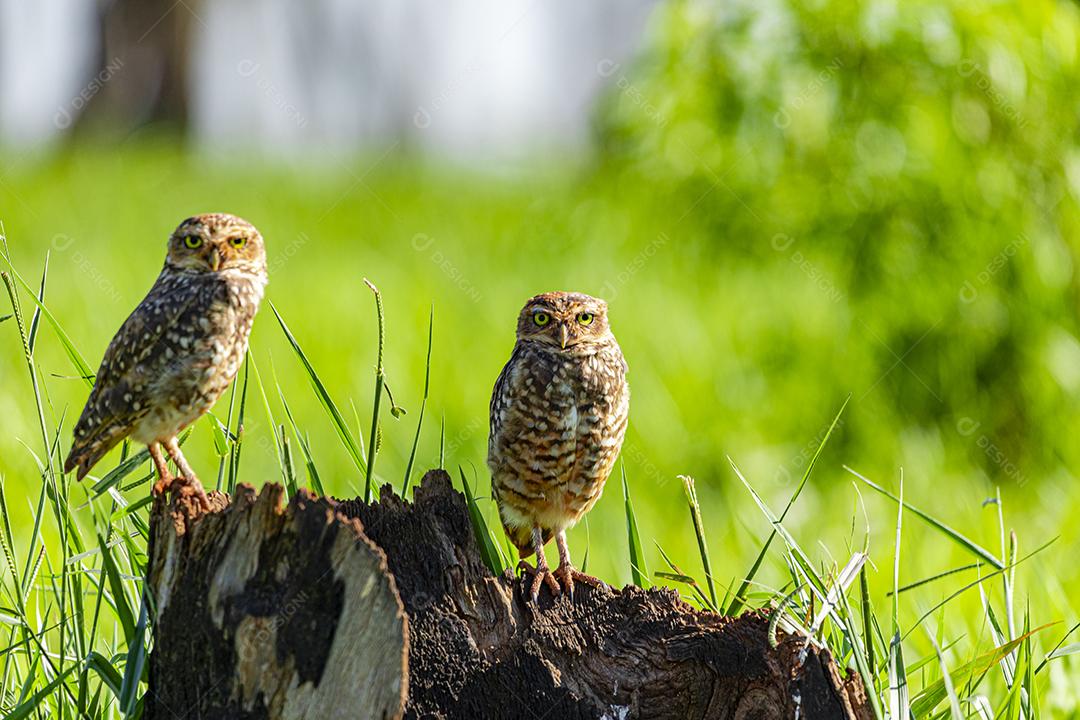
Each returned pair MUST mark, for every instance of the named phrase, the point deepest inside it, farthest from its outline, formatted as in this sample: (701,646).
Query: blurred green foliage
(914,166)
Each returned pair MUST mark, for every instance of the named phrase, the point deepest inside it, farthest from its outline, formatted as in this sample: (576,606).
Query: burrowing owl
(558,417)
(180,348)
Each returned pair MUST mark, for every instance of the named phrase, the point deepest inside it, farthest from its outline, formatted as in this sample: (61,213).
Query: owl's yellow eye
(238,242)
(193,241)
(585,318)
(541,318)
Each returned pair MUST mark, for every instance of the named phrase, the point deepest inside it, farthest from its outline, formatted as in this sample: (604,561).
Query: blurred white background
(472,80)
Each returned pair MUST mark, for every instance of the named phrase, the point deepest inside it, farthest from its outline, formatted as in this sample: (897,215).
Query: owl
(558,418)
(179,350)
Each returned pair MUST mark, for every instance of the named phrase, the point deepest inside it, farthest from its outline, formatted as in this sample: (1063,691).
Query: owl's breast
(198,355)
(227,327)
(558,425)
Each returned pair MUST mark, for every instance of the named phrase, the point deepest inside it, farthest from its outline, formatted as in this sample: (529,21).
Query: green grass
(710,380)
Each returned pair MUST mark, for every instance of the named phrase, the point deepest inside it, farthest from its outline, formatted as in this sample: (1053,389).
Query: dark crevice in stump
(329,609)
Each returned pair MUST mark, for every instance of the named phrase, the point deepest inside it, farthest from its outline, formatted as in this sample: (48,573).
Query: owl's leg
(541,573)
(191,485)
(165,477)
(566,572)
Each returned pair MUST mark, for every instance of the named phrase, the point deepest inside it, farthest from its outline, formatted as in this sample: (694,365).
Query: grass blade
(970,585)
(638,571)
(868,618)
(899,699)
(287,461)
(852,634)
(1065,651)
(380,379)
(35,319)
(116,586)
(799,558)
(271,423)
(442,443)
(133,667)
(933,694)
(699,533)
(238,444)
(677,575)
(488,550)
(964,542)
(738,602)
(423,406)
(331,409)
(305,446)
(224,439)
(110,676)
(946,679)
(843,582)
(934,578)
(81,368)
(899,702)
(25,709)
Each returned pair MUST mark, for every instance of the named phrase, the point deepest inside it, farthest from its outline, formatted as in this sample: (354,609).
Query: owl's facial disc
(216,242)
(564,321)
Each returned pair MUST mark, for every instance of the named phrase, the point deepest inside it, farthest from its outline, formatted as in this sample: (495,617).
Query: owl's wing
(500,401)
(137,355)
(140,338)
(502,418)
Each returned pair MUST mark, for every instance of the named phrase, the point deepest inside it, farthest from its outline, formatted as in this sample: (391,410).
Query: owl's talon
(163,485)
(540,575)
(567,574)
(534,591)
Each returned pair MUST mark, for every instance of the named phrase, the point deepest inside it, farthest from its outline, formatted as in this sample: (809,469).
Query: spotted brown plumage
(179,349)
(558,418)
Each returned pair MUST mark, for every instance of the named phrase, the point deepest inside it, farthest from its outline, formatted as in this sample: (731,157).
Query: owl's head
(568,322)
(216,242)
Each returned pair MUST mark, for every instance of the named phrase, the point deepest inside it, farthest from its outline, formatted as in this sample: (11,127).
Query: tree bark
(328,609)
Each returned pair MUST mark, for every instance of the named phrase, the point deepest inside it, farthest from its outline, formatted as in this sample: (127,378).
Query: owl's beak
(564,335)
(214,259)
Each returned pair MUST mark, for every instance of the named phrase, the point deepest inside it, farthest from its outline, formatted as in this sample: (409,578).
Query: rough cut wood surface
(265,612)
(475,649)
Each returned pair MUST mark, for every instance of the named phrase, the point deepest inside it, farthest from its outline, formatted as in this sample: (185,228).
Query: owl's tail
(86,452)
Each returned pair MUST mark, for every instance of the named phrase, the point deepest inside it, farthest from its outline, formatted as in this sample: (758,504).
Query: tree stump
(271,613)
(326,609)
